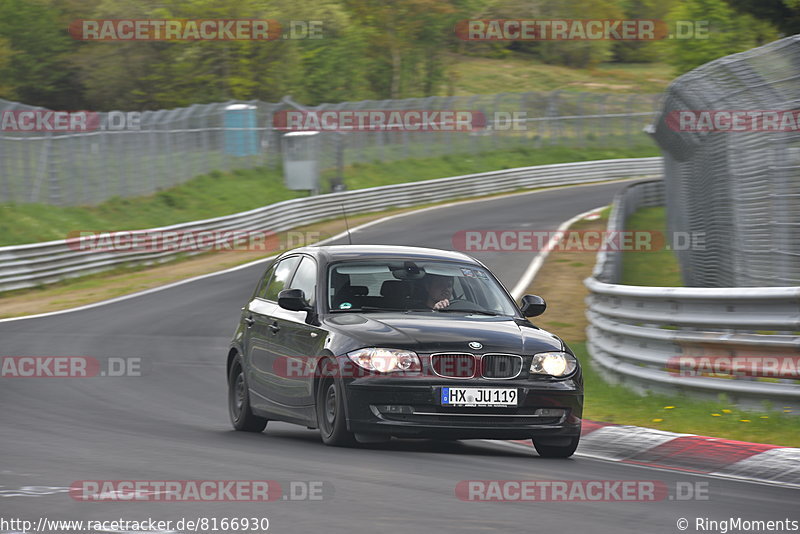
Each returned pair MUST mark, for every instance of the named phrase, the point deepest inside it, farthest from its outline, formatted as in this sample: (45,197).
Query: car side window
(262,284)
(305,278)
(283,273)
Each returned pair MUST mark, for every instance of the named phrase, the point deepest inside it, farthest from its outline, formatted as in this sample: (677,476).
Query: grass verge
(560,282)
(483,75)
(658,267)
(218,193)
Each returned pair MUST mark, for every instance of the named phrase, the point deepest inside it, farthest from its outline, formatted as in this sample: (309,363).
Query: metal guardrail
(41,263)
(636,334)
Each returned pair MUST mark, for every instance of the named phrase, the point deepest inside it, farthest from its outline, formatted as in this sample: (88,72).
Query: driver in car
(439,290)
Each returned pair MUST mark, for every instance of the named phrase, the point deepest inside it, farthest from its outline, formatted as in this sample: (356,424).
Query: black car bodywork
(288,361)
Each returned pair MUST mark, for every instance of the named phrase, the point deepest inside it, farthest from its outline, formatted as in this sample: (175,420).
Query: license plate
(479,396)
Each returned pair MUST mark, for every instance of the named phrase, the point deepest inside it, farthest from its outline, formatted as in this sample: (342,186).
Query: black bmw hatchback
(366,343)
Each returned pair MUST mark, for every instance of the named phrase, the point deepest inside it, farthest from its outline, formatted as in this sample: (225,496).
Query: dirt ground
(560,283)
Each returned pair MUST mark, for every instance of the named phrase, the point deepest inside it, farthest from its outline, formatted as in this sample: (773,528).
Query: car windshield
(422,286)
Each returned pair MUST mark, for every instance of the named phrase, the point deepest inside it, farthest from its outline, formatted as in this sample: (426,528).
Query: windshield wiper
(482,312)
(380,309)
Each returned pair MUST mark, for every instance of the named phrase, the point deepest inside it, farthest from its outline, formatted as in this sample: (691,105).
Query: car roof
(332,253)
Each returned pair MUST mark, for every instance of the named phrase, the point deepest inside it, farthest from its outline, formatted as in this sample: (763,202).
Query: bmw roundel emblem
(475,345)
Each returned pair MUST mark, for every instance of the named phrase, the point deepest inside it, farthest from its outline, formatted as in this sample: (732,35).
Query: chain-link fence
(169,147)
(732,167)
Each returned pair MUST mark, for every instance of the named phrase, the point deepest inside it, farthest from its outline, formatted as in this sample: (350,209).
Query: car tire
(553,450)
(331,418)
(242,417)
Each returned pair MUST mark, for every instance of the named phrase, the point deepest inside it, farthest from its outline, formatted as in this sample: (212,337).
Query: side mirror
(294,300)
(533,305)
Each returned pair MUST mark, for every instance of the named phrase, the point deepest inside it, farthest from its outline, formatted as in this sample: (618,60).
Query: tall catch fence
(739,188)
(170,147)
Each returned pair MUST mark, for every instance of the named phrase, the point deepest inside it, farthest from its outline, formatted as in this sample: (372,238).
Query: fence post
(5,194)
(579,127)
(54,187)
(552,113)
(629,120)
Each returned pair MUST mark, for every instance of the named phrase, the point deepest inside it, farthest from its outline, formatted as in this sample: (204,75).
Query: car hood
(442,332)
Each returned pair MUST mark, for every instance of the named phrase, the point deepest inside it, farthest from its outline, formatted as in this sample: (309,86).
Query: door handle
(249,321)
(274,327)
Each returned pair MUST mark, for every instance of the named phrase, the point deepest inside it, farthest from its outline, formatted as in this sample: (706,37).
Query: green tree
(35,49)
(152,75)
(728,33)
(575,53)
(6,88)
(330,68)
(784,14)
(407,40)
(642,51)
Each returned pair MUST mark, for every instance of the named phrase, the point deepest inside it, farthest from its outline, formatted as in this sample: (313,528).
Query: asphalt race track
(171,423)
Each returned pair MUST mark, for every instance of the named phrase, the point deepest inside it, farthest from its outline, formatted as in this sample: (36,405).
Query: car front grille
(500,366)
(465,365)
(453,365)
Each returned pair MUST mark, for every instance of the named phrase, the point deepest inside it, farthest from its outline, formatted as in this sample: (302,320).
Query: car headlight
(553,364)
(385,360)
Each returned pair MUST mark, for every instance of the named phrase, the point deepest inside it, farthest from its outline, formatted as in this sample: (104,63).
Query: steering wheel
(460,304)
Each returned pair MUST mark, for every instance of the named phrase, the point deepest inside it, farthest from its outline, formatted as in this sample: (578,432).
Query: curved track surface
(171,423)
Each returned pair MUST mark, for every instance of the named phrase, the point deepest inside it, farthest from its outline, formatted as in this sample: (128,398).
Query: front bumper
(417,410)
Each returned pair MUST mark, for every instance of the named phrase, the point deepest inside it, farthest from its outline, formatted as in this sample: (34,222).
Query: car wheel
(330,411)
(553,449)
(242,417)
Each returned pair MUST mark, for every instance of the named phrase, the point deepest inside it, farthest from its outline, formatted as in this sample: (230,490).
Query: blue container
(241,136)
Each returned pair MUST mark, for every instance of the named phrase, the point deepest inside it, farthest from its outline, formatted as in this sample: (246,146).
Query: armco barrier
(635,331)
(41,263)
